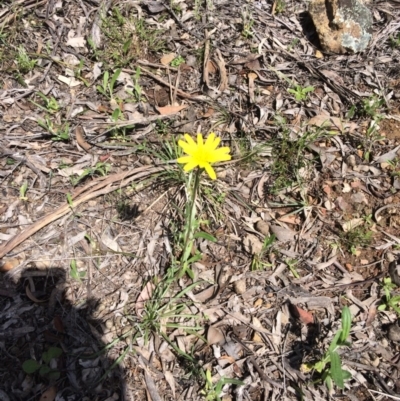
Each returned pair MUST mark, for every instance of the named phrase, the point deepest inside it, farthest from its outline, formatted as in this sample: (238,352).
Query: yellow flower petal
(187,147)
(216,143)
(210,171)
(184,159)
(190,166)
(189,140)
(220,155)
(210,140)
(200,140)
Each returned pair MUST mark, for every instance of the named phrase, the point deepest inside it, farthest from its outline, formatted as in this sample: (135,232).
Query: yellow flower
(203,154)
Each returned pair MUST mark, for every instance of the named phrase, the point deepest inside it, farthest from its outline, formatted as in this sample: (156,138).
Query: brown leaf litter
(305,215)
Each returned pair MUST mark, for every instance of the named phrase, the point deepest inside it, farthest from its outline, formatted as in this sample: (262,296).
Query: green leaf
(114,78)
(319,366)
(328,382)
(22,191)
(99,89)
(382,307)
(69,200)
(334,342)
(207,236)
(74,270)
(346,374)
(52,352)
(194,258)
(31,366)
(115,115)
(127,45)
(44,370)
(346,324)
(106,77)
(336,369)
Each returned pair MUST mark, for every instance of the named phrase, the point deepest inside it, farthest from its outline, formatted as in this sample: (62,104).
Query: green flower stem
(190,227)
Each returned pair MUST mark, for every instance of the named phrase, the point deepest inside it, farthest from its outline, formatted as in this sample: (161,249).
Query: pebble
(394,332)
(351,160)
(262,227)
(109,323)
(239,287)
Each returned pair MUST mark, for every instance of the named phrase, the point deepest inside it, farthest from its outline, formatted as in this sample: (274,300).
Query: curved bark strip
(82,195)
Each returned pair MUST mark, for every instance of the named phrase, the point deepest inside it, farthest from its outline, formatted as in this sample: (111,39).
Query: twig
(180,92)
(180,23)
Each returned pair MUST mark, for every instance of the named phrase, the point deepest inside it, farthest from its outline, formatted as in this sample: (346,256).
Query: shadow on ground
(40,330)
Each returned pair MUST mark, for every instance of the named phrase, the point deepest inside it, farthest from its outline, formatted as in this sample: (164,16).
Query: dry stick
(171,96)
(206,58)
(104,187)
(180,92)
(148,64)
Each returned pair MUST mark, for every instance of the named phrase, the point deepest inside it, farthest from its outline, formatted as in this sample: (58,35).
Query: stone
(394,332)
(343,26)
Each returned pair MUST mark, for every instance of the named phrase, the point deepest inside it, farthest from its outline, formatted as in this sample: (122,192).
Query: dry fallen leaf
(350,225)
(77,41)
(301,314)
(170,109)
(70,81)
(9,264)
(167,58)
(215,336)
(283,234)
(252,244)
(49,394)
(210,111)
(252,76)
(318,54)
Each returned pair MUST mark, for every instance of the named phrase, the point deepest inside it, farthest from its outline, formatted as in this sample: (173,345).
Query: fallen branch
(94,189)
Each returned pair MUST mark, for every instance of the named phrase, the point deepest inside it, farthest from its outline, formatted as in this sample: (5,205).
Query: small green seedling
(258,262)
(330,366)
(100,168)
(394,41)
(291,264)
(389,301)
(75,274)
(22,191)
(177,61)
(70,201)
(372,105)
(107,89)
(211,391)
(136,93)
(25,63)
(117,113)
(60,133)
(280,6)
(50,104)
(299,92)
(247,24)
(31,366)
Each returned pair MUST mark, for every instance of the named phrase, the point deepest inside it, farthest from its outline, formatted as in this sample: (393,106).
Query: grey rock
(343,26)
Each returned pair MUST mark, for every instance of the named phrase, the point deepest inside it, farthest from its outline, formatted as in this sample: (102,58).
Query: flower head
(203,154)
